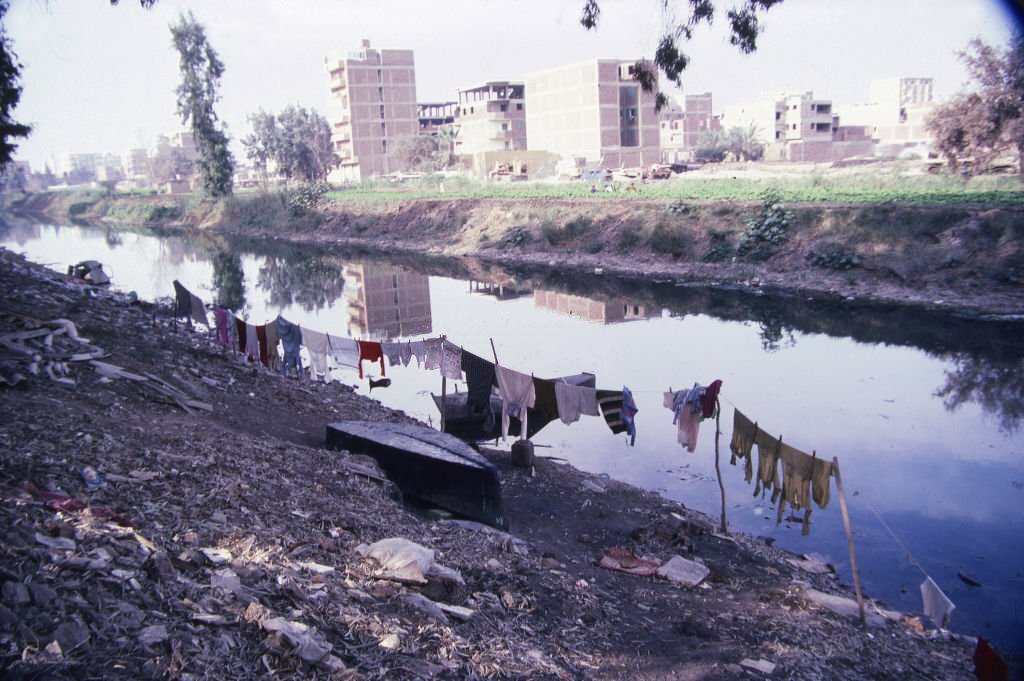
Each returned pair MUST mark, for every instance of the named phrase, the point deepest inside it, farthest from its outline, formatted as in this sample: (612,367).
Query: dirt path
(216,529)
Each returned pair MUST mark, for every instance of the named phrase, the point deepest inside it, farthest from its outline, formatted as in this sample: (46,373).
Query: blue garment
(291,339)
(628,414)
(688,399)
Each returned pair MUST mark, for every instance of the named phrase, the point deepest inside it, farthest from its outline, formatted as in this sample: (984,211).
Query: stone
(424,606)
(56,543)
(390,642)
(457,611)
(216,556)
(763,666)
(153,634)
(679,570)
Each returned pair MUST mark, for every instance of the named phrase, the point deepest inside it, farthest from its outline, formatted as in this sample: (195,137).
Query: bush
(517,236)
(767,230)
(834,257)
(665,238)
(594,246)
(678,208)
(307,197)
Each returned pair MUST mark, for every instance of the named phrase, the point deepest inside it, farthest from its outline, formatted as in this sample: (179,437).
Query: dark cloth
(261,336)
(240,330)
(480,380)
(628,414)
(744,432)
(546,403)
(610,402)
(372,351)
(988,665)
(710,398)
(182,300)
(291,338)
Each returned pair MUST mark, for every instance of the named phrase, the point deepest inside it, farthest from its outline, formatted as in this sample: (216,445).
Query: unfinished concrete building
(386,302)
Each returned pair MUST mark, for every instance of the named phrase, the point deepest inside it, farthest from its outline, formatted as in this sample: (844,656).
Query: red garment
(66,504)
(261,336)
(988,666)
(372,351)
(240,328)
(707,402)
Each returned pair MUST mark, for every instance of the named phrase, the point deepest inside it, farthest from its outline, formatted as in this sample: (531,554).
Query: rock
(425,606)
(494,565)
(57,543)
(456,611)
(679,570)
(227,580)
(53,648)
(15,593)
(216,556)
(71,635)
(390,642)
(316,568)
(763,666)
(550,564)
(151,635)
(401,559)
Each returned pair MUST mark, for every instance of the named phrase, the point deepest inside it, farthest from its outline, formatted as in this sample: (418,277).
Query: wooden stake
(718,471)
(444,387)
(849,539)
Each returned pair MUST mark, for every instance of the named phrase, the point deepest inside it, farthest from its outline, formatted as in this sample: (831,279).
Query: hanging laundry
(610,404)
(820,482)
(988,665)
(687,411)
(546,403)
(575,400)
(393,351)
(261,338)
(710,398)
(222,318)
(252,343)
(406,354)
(744,431)
(345,352)
(182,300)
(479,382)
(797,468)
(628,414)
(198,310)
(451,361)
(937,605)
(432,353)
(273,357)
(291,340)
(371,351)
(767,462)
(418,349)
(240,334)
(517,395)
(317,347)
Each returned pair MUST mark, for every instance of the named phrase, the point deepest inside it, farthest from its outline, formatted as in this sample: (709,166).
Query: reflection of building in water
(386,302)
(499,291)
(604,311)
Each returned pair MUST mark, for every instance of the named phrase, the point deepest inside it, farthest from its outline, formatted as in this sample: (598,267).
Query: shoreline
(216,479)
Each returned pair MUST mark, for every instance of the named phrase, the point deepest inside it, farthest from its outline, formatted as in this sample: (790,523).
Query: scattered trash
(92,479)
(967,579)
(763,666)
(624,560)
(679,570)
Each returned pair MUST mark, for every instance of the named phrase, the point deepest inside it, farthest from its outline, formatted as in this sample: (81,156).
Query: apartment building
(683,122)
(386,302)
(434,115)
(491,117)
(896,113)
(793,127)
(595,111)
(371,107)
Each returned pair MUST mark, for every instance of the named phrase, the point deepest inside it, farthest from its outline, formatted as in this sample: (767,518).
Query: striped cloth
(610,402)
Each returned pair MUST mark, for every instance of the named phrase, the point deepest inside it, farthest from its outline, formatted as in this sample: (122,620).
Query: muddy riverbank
(127,582)
(964,259)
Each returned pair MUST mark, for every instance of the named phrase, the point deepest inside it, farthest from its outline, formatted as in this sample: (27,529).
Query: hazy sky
(101,79)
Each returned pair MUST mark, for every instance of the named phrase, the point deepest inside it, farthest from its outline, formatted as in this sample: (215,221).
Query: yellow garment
(820,482)
(767,462)
(743,434)
(797,469)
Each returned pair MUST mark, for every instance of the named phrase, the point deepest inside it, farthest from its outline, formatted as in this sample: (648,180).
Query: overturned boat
(476,426)
(427,465)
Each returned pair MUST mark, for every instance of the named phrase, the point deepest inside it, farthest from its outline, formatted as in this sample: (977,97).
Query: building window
(793,126)
(470,109)
(504,107)
(504,126)
(506,146)
(384,146)
(778,115)
(519,106)
(382,111)
(778,135)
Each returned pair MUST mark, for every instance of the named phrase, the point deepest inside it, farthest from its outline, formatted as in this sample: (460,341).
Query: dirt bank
(217,527)
(965,259)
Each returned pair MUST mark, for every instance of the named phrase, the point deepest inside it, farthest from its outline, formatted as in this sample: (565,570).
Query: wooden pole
(444,387)
(718,471)
(849,539)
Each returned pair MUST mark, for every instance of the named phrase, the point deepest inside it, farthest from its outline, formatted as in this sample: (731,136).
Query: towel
(517,396)
(575,400)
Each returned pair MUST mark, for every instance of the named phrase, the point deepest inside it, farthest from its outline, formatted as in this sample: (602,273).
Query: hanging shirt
(517,395)
(222,318)
(418,349)
(628,414)
(198,310)
(273,357)
(710,398)
(252,343)
(820,482)
(372,351)
(767,462)
(546,403)
(686,420)
(432,353)
(937,605)
(575,400)
(406,354)
(240,333)
(345,352)
(291,341)
(610,403)
(797,468)
(744,431)
(479,382)
(182,300)
(393,351)
(261,338)
(451,361)
(317,347)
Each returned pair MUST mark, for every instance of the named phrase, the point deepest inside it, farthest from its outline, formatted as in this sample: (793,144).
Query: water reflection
(228,280)
(594,310)
(312,283)
(386,301)
(995,384)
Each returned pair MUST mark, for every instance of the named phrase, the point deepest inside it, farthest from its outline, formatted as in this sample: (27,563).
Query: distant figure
(379,383)
(593,189)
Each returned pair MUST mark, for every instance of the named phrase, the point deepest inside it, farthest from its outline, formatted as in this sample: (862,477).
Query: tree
(712,146)
(422,153)
(988,120)
(10,94)
(169,163)
(201,71)
(744,29)
(446,138)
(744,143)
(297,141)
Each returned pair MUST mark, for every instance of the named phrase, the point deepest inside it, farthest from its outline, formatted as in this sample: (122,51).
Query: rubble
(224,542)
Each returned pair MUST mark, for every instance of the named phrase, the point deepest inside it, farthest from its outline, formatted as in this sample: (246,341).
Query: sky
(99,78)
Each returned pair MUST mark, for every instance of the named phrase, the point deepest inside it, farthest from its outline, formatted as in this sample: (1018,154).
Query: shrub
(678,208)
(767,230)
(834,257)
(307,197)
(517,236)
(594,246)
(665,238)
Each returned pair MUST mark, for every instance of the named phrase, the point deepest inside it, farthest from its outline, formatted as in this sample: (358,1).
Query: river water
(924,413)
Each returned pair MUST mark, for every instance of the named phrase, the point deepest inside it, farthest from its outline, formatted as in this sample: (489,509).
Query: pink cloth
(223,318)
